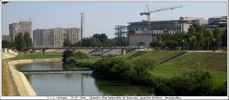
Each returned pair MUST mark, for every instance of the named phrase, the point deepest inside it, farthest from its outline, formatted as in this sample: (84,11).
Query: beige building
(55,37)
(139,35)
(20,27)
(73,35)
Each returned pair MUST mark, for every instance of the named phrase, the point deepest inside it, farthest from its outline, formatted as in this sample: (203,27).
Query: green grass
(37,56)
(157,55)
(93,60)
(216,64)
(131,55)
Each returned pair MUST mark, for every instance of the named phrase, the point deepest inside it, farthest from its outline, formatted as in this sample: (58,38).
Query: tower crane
(148,12)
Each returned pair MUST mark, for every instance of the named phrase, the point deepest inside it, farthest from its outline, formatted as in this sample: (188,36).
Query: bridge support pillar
(123,51)
(102,52)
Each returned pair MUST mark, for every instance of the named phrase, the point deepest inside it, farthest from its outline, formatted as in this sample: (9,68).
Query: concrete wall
(136,39)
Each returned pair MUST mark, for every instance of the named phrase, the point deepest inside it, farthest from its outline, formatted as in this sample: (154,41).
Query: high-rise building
(73,35)
(20,27)
(44,38)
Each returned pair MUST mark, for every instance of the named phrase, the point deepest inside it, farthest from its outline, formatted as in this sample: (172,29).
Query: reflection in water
(77,84)
(116,88)
(41,66)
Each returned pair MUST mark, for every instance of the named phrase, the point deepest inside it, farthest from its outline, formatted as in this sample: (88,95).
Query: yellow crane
(148,12)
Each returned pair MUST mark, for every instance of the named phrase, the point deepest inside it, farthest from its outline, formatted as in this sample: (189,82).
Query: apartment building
(20,27)
(55,37)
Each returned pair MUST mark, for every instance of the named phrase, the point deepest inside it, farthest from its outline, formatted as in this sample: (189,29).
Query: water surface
(76,83)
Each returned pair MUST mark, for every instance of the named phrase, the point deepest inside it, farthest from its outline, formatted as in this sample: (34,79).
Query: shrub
(70,60)
(191,83)
(80,55)
(140,73)
(67,53)
(111,68)
(220,90)
(69,64)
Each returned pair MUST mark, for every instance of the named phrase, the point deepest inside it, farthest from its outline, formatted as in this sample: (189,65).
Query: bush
(141,70)
(191,83)
(70,63)
(67,53)
(122,70)
(80,55)
(220,91)
(70,60)
(112,68)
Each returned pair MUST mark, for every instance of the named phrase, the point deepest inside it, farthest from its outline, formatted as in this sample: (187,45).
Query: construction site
(143,32)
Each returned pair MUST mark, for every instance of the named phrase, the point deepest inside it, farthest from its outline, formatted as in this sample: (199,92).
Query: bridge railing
(116,47)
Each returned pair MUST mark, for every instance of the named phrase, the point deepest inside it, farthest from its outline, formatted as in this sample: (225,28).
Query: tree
(7,44)
(101,37)
(20,42)
(224,37)
(67,53)
(97,40)
(120,41)
(28,40)
(142,67)
(208,38)
(218,37)
(67,43)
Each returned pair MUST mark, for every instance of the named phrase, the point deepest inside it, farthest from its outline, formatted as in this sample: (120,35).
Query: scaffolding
(121,31)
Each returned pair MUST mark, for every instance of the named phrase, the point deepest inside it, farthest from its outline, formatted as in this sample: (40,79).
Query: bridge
(79,70)
(95,51)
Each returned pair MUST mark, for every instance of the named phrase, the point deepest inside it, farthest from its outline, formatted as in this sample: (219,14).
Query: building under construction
(121,31)
(139,34)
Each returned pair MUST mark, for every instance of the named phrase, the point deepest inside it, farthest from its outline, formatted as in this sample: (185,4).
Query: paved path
(173,57)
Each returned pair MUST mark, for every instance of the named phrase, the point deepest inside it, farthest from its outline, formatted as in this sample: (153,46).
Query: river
(78,83)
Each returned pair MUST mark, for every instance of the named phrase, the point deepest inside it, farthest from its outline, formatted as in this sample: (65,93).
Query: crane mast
(148,12)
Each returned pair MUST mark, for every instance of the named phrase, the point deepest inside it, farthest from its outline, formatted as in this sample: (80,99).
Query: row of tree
(22,42)
(98,40)
(197,38)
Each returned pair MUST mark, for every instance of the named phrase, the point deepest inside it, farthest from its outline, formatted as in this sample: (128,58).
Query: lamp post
(214,45)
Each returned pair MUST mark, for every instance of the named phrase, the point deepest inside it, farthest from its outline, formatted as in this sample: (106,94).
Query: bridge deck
(79,69)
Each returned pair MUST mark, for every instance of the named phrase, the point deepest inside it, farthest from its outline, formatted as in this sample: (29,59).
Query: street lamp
(214,45)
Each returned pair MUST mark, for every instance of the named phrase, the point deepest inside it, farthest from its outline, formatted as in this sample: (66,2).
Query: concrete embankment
(22,84)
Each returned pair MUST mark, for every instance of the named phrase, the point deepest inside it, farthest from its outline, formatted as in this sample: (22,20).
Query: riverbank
(23,86)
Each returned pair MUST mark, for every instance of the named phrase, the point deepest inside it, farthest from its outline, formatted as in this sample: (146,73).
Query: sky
(101,17)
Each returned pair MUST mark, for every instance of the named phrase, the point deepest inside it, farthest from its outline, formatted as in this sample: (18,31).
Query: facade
(217,20)
(73,35)
(21,27)
(159,27)
(45,38)
(121,31)
(42,38)
(140,39)
(220,22)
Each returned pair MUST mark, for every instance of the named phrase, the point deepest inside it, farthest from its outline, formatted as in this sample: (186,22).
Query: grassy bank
(157,56)
(186,74)
(216,64)
(37,56)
